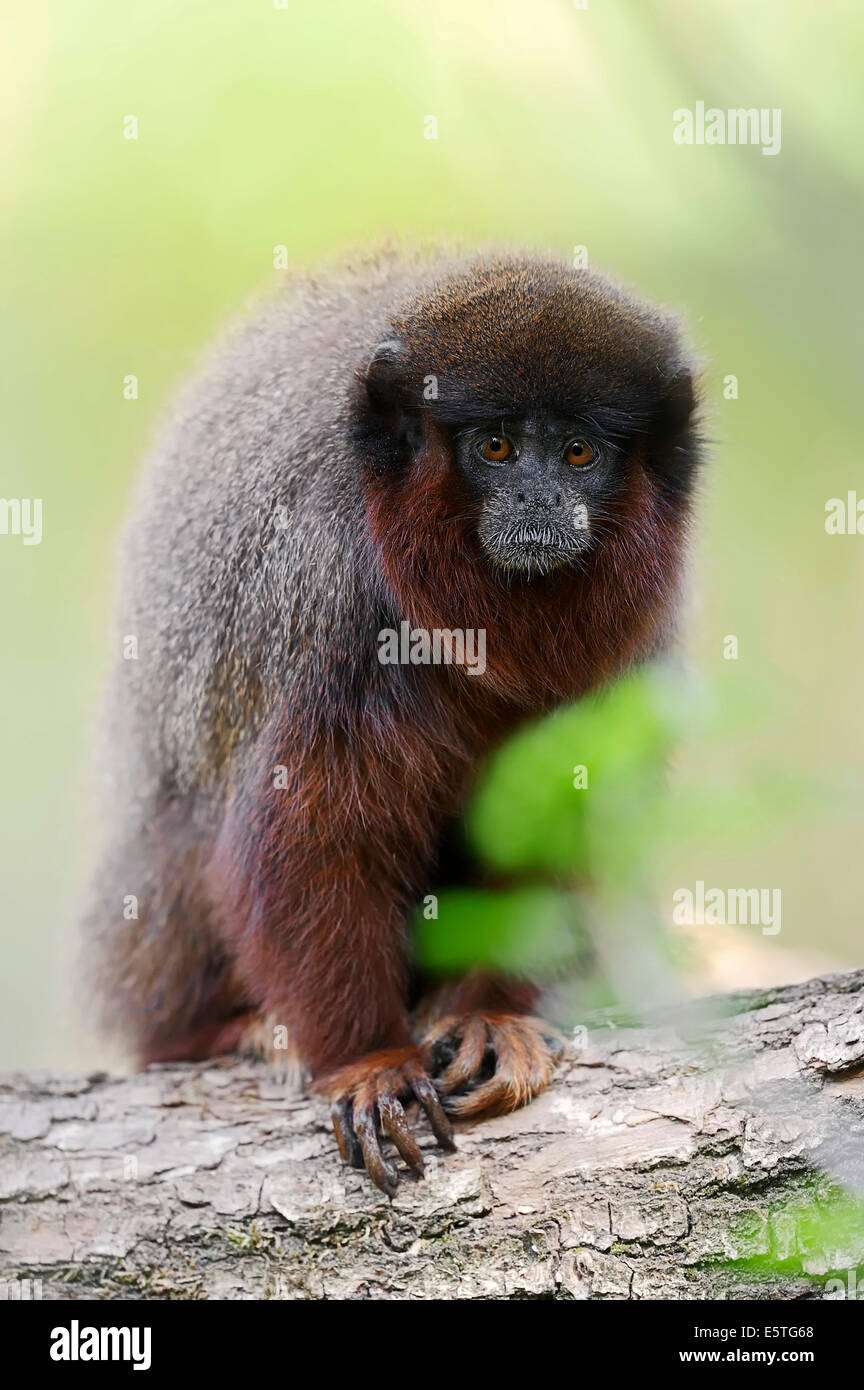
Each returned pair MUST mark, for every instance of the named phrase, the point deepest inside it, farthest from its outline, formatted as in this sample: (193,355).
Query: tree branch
(701,1156)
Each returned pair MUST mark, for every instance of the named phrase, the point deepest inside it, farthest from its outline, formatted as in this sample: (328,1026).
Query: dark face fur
(540,481)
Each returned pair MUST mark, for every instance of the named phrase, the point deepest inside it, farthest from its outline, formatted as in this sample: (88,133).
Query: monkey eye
(580,453)
(496,449)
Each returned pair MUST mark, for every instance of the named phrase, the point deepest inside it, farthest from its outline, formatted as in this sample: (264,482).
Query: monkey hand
(367,1097)
(490,1063)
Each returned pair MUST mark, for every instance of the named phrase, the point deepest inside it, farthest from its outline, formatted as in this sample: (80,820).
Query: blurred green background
(304,126)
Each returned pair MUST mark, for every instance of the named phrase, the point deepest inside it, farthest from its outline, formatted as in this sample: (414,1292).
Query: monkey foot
(367,1097)
(490,1063)
(248,1033)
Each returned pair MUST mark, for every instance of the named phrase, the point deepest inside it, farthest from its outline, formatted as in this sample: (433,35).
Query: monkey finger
(394,1124)
(343,1127)
(382,1173)
(468,1061)
(428,1098)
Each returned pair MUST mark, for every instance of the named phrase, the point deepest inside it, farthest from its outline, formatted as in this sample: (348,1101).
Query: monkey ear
(679,399)
(393,428)
(384,375)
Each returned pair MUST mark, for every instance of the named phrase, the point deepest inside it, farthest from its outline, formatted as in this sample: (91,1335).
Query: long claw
(382,1173)
(341,1113)
(394,1123)
(428,1098)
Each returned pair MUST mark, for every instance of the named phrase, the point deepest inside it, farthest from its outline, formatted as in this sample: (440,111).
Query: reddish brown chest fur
(549,640)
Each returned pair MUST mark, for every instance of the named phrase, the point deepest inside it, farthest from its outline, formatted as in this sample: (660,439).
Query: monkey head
(527,437)
(541,391)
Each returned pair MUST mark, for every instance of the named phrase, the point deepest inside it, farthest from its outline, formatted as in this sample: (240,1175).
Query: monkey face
(541,482)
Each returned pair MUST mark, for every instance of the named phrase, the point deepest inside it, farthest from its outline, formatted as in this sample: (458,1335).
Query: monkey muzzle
(535,547)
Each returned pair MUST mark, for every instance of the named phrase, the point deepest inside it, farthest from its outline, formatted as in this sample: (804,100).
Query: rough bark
(703,1156)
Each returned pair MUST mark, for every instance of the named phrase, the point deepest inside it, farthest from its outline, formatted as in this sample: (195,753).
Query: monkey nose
(537,501)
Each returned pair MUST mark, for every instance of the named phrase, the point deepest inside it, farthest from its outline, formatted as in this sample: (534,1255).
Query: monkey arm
(316,868)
